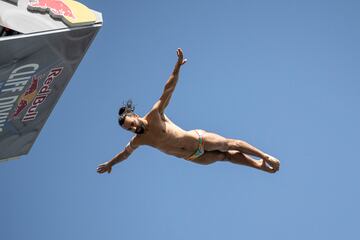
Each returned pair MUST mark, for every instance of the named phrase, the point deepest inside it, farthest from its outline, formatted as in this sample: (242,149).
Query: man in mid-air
(157,130)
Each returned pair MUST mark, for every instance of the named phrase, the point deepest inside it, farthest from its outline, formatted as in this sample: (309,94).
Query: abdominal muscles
(179,144)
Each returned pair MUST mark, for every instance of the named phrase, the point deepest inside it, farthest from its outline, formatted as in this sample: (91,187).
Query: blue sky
(282,75)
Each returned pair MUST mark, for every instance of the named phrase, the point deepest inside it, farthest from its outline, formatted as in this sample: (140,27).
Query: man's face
(133,124)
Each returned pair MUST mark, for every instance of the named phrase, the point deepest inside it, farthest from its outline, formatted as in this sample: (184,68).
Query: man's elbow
(125,156)
(169,89)
(173,78)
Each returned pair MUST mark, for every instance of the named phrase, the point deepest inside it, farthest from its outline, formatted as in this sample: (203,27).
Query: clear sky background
(282,75)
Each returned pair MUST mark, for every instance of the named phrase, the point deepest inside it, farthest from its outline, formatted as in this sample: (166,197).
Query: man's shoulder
(156,109)
(136,141)
(153,115)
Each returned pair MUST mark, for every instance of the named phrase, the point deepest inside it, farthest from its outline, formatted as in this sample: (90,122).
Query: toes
(271,170)
(267,168)
(273,162)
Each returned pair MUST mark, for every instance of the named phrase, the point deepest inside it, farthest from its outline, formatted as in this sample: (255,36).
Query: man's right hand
(105,167)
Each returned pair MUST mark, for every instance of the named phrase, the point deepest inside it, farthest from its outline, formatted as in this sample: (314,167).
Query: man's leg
(233,157)
(215,142)
(242,159)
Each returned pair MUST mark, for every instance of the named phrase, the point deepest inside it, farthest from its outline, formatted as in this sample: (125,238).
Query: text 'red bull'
(56,7)
(42,94)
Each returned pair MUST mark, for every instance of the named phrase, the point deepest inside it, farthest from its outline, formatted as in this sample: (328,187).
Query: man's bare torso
(166,136)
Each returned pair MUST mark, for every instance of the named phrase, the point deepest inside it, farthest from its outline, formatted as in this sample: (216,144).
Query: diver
(198,146)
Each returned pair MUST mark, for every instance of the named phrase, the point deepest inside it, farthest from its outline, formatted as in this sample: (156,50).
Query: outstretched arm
(128,150)
(171,83)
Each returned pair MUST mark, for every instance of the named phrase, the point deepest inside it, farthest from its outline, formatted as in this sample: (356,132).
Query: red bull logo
(42,94)
(35,95)
(70,12)
(26,98)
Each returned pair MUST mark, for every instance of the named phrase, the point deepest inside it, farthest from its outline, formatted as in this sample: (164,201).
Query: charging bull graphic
(70,12)
(27,97)
(55,7)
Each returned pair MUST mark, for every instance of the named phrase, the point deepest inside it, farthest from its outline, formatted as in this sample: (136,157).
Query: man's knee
(224,146)
(227,145)
(234,144)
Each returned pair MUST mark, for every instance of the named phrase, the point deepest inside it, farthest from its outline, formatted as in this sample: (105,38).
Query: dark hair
(126,110)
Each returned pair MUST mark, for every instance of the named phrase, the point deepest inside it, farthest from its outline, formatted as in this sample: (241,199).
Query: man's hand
(181,60)
(105,167)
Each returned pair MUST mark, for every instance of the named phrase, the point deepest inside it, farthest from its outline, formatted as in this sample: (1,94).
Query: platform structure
(41,45)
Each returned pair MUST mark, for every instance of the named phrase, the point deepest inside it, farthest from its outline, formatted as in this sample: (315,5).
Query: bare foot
(273,162)
(265,167)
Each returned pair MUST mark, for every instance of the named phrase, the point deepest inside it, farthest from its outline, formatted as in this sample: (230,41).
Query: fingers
(179,53)
(265,167)
(100,170)
(273,162)
(103,168)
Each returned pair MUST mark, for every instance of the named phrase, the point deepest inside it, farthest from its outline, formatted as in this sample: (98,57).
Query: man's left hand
(180,55)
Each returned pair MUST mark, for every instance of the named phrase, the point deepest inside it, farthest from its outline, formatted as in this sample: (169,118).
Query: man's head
(129,120)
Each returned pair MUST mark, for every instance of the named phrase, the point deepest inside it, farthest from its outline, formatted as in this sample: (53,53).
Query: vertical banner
(33,74)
